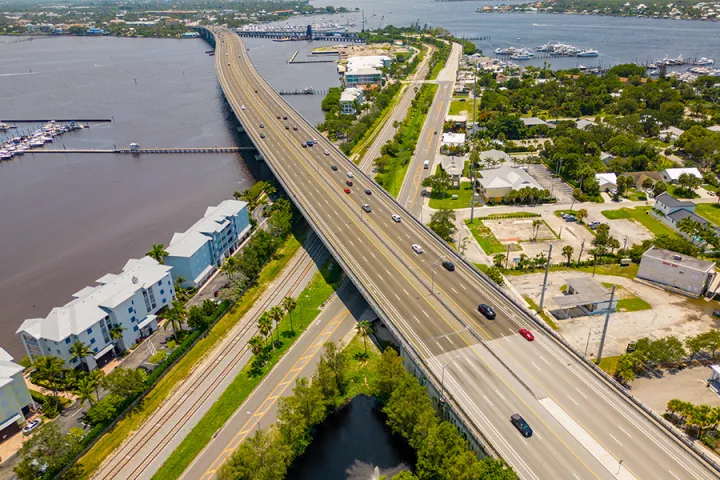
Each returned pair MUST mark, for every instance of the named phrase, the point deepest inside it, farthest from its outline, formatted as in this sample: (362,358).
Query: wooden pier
(147,150)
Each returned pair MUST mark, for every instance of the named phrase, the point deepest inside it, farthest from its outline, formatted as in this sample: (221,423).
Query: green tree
(85,390)
(364,329)
(582,214)
(660,187)
(567,252)
(332,372)
(265,326)
(410,412)
(230,267)
(48,448)
(442,222)
(389,372)
(260,457)
(290,304)
(80,351)
(176,315)
(125,382)
(440,182)
(196,317)
(536,224)
(499,260)
(256,345)
(277,313)
(116,334)
(158,252)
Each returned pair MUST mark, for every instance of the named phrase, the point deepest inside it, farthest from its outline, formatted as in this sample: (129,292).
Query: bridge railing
(619,389)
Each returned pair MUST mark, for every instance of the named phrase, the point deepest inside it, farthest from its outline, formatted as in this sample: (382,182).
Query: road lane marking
(500,394)
(581,393)
(572,399)
(623,430)
(671,473)
(453,289)
(488,400)
(613,437)
(543,359)
(539,369)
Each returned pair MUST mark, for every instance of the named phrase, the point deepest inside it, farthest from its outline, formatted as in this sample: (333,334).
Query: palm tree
(364,329)
(180,311)
(85,390)
(536,228)
(158,252)
(237,195)
(277,313)
(116,333)
(567,252)
(97,376)
(265,326)
(256,344)
(179,280)
(230,267)
(49,369)
(290,304)
(582,214)
(79,351)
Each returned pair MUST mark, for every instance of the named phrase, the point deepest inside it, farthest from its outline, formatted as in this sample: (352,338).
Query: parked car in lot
(527,334)
(521,425)
(417,248)
(486,310)
(30,426)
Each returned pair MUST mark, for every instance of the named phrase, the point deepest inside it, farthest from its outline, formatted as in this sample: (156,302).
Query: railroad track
(129,450)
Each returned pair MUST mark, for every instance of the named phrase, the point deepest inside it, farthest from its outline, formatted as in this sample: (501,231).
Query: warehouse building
(676,272)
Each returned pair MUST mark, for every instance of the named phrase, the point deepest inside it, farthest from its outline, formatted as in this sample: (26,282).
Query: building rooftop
(456,118)
(532,121)
(8,368)
(679,215)
(606,178)
(494,155)
(582,124)
(91,304)
(505,177)
(367,61)
(667,199)
(450,138)
(674,259)
(363,71)
(350,94)
(587,290)
(453,166)
(674,173)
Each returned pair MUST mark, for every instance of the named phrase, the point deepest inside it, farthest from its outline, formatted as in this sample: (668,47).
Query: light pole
(547,270)
(442,378)
(257,420)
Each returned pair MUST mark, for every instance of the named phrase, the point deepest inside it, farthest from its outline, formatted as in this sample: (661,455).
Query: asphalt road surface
(583,428)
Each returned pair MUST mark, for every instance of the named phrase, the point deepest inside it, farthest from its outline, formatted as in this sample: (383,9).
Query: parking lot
(560,190)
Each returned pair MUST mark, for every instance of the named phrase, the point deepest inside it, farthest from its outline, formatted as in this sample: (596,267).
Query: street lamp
(442,378)
(257,419)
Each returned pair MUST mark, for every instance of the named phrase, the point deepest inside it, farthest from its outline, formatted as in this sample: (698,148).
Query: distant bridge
(149,150)
(308,34)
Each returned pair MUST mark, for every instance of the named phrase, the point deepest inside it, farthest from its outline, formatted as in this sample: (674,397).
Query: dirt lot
(671,314)
(513,230)
(624,227)
(687,385)
(362,50)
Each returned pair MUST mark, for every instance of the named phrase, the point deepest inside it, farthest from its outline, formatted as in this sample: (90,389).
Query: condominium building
(363,76)
(129,299)
(15,397)
(196,253)
(350,98)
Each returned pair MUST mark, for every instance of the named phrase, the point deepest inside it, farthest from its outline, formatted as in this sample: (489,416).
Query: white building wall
(673,275)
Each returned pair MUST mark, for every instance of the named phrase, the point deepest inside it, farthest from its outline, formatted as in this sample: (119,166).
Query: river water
(68,219)
(350,444)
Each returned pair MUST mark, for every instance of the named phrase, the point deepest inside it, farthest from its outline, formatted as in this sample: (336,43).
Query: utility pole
(582,247)
(547,270)
(605,327)
(507,257)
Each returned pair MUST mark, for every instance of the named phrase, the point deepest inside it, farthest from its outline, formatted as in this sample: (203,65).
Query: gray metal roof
(681,214)
(588,291)
(675,258)
(667,199)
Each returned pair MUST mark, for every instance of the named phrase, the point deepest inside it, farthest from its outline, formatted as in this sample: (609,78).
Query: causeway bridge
(480,370)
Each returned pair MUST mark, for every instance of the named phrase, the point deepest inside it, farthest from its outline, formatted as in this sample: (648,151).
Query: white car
(396,217)
(242,107)
(327,152)
(350,175)
(366,207)
(417,248)
(30,426)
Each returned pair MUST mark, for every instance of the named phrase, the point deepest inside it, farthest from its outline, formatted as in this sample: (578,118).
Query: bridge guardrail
(620,390)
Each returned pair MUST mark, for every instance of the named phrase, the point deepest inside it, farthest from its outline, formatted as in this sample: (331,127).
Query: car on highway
(262,125)
(449,266)
(262,135)
(287,127)
(309,143)
(295,128)
(349,183)
(521,425)
(315,141)
(349,174)
(285,118)
(228,64)
(277,116)
(30,426)
(396,217)
(303,145)
(346,190)
(242,107)
(366,207)
(334,167)
(486,310)
(368,191)
(527,334)
(327,152)
(417,248)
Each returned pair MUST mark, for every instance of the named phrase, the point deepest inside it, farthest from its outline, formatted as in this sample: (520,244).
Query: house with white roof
(607,181)
(15,399)
(453,139)
(350,98)
(672,175)
(196,253)
(129,299)
(671,133)
(494,157)
(498,182)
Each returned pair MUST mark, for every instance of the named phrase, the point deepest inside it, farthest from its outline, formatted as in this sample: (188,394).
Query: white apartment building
(349,99)
(15,399)
(129,299)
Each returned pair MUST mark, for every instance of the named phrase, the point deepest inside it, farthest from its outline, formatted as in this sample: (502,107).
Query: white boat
(705,62)
(588,53)
(37,143)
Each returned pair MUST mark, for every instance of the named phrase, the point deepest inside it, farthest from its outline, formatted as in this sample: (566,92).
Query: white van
(426,165)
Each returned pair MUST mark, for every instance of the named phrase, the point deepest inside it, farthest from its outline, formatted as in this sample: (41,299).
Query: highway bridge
(585,427)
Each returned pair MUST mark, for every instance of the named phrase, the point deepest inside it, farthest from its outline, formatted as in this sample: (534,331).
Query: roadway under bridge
(585,425)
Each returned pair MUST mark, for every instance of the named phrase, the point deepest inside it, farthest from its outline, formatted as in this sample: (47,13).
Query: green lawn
(710,211)
(112,440)
(463,201)
(609,364)
(636,195)
(361,374)
(612,270)
(678,192)
(642,216)
(323,284)
(633,304)
(457,107)
(485,238)
(543,315)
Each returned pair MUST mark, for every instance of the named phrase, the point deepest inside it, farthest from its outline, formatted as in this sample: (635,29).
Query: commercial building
(672,175)
(494,157)
(453,139)
(456,122)
(196,253)
(363,76)
(497,183)
(15,399)
(677,272)
(129,300)
(587,294)
(368,61)
(350,99)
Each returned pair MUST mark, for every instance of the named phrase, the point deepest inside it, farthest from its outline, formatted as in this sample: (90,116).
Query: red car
(346,190)
(527,334)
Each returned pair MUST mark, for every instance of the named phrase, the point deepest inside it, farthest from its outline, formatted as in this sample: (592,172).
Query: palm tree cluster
(700,234)
(265,326)
(699,418)
(158,252)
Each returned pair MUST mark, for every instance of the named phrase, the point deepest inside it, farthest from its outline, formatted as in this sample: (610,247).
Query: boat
(4,127)
(588,53)
(308,90)
(705,62)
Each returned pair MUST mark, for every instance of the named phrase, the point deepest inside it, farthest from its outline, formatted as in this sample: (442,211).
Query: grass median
(115,437)
(318,291)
